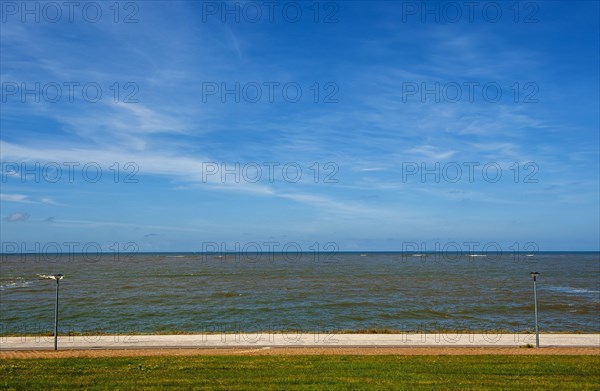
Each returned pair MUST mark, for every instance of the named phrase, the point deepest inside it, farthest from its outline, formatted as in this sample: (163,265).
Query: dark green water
(312,292)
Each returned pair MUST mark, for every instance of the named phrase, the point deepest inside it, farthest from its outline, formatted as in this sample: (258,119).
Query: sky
(329,126)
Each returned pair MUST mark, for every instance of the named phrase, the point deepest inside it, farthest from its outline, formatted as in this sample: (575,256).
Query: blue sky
(401,89)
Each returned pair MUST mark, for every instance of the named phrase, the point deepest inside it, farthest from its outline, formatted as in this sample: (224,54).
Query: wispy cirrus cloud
(17,217)
(7,197)
(14,198)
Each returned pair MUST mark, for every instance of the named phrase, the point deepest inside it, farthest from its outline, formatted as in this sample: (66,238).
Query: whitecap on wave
(16,283)
(576,291)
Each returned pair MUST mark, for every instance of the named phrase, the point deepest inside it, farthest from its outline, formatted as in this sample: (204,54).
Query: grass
(304,372)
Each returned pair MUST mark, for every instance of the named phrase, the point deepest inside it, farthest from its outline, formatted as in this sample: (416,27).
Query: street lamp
(535,275)
(56,277)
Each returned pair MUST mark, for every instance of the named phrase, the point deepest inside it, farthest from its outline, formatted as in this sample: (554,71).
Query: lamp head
(534,275)
(56,277)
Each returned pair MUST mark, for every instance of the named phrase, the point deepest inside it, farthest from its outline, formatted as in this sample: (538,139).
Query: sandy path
(296,351)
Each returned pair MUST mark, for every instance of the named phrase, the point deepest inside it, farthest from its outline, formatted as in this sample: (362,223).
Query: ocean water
(310,292)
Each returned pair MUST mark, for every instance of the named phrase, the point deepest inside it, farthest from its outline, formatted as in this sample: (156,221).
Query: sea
(301,292)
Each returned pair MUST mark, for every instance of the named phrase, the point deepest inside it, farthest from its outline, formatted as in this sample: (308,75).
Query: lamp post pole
(57,277)
(534,275)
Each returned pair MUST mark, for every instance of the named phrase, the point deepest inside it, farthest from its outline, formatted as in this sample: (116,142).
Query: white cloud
(431,152)
(14,198)
(17,217)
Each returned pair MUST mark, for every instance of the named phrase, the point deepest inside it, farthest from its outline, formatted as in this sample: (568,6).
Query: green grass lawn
(304,372)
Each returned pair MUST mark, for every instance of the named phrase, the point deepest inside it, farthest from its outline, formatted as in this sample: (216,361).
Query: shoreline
(213,331)
(383,331)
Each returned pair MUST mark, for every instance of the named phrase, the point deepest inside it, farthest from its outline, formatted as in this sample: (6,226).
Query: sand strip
(426,351)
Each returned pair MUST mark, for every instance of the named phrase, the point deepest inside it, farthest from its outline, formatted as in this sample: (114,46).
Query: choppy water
(312,292)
